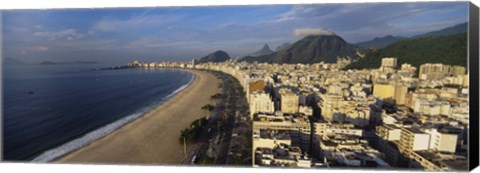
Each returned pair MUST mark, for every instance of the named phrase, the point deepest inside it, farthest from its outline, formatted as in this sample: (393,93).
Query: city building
(442,140)
(397,92)
(260,102)
(412,139)
(390,62)
(425,129)
(289,101)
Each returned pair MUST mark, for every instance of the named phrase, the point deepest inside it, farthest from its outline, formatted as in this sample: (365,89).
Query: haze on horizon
(119,35)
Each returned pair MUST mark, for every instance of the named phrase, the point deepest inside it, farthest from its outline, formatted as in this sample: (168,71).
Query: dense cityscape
(321,86)
(320,115)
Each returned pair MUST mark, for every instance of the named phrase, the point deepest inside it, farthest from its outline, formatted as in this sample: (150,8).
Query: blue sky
(119,35)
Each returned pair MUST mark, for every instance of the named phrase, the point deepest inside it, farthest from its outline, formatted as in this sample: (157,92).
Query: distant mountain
(218,56)
(283,46)
(73,62)
(459,28)
(380,42)
(451,49)
(13,61)
(264,51)
(310,49)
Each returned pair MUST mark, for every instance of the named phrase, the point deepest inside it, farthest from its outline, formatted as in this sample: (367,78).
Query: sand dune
(153,138)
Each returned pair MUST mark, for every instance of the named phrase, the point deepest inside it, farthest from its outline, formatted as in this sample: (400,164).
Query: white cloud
(41,48)
(36,48)
(375,19)
(312,31)
(150,42)
(69,34)
(87,45)
(108,24)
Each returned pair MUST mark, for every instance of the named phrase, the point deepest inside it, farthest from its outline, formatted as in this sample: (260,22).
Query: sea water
(50,110)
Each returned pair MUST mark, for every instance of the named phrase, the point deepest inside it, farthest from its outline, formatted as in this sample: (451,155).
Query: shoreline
(53,155)
(153,137)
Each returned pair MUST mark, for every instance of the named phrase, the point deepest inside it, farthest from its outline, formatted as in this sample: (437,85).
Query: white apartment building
(442,141)
(306,110)
(389,62)
(329,105)
(328,129)
(344,131)
(289,101)
(261,102)
(412,139)
(388,132)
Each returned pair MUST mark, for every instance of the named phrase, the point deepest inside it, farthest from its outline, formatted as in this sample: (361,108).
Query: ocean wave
(180,89)
(101,132)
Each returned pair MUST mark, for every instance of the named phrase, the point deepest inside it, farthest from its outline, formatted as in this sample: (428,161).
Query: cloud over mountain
(312,31)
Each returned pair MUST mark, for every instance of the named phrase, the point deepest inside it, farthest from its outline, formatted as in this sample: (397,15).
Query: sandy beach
(153,138)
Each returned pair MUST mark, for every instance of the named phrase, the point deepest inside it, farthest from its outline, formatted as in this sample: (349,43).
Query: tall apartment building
(408,68)
(388,132)
(384,91)
(442,140)
(458,70)
(289,101)
(389,62)
(261,102)
(254,85)
(412,139)
(398,92)
(437,71)
(356,112)
(434,68)
(305,110)
(329,105)
(387,139)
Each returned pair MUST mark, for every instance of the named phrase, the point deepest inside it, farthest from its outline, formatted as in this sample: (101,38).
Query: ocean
(50,110)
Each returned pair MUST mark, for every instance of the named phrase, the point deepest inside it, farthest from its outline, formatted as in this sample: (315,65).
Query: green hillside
(218,56)
(456,29)
(450,49)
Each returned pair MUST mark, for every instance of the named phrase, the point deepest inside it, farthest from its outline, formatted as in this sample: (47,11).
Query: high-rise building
(254,85)
(465,80)
(412,139)
(305,110)
(407,70)
(458,70)
(437,71)
(384,91)
(434,68)
(289,101)
(398,92)
(388,132)
(442,140)
(261,102)
(329,105)
(390,62)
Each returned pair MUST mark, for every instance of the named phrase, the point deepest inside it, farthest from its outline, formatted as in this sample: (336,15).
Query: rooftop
(277,134)
(414,130)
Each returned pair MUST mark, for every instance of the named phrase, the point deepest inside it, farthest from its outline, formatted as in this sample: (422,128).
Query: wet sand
(153,138)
